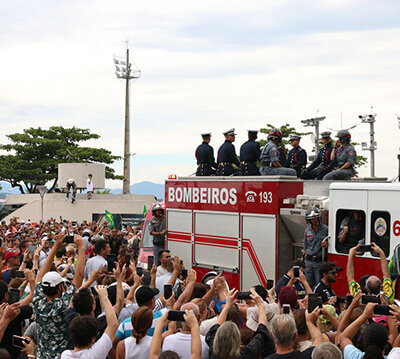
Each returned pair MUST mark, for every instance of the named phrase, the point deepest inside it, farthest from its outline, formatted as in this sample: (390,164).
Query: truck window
(147,239)
(350,229)
(380,230)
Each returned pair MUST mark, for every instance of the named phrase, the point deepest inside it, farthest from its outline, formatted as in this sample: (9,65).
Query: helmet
(344,136)
(275,133)
(313,212)
(156,207)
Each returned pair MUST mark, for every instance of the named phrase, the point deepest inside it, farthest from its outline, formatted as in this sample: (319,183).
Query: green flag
(144,210)
(110,219)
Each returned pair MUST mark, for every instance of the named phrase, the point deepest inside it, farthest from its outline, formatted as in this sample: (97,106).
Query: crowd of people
(334,161)
(72,290)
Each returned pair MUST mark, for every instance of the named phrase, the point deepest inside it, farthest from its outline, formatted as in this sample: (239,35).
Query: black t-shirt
(323,291)
(71,314)
(115,244)
(306,354)
(282,282)
(15,328)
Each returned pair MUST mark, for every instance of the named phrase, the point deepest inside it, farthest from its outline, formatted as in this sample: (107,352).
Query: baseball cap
(52,279)
(10,255)
(144,294)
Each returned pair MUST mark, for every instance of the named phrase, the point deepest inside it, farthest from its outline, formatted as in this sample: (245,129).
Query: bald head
(191,306)
(373,285)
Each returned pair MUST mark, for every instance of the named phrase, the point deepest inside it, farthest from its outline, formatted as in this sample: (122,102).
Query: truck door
(179,224)
(216,243)
(258,249)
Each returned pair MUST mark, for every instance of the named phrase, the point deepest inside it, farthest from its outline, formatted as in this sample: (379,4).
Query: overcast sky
(206,66)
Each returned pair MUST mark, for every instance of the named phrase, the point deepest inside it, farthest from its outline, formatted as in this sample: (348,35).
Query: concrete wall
(79,172)
(55,206)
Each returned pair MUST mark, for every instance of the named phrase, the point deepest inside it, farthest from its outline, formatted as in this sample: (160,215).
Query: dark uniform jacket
(157,225)
(205,160)
(297,159)
(323,159)
(249,155)
(227,157)
(282,156)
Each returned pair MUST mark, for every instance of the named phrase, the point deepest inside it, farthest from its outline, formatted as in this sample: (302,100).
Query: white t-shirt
(137,351)
(89,185)
(161,271)
(394,353)
(180,343)
(99,350)
(93,264)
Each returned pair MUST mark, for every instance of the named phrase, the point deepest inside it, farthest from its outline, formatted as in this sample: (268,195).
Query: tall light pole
(124,71)
(42,191)
(315,123)
(372,144)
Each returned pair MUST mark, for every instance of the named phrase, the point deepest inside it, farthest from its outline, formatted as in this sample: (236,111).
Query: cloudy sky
(206,66)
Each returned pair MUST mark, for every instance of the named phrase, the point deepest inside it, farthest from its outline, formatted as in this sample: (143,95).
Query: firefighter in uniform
(206,165)
(345,156)
(315,238)
(282,155)
(297,157)
(158,231)
(323,163)
(227,155)
(249,155)
(269,159)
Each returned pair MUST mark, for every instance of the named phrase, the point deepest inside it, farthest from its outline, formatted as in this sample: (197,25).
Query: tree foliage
(33,156)
(287,129)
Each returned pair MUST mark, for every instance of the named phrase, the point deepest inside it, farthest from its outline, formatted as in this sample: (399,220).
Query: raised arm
(193,324)
(80,262)
(382,257)
(350,263)
(119,274)
(230,300)
(30,277)
(155,347)
(49,260)
(311,319)
(111,318)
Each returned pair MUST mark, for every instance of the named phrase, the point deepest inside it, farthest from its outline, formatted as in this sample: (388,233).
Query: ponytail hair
(142,320)
(375,340)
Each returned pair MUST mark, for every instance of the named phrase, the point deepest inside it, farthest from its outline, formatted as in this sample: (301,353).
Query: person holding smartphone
(157,230)
(314,240)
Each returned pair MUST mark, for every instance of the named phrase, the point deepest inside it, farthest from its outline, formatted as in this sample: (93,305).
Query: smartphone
(19,274)
(365,248)
(270,284)
(341,300)
(32,248)
(349,299)
(243,295)
(13,296)
(139,271)
(150,262)
(286,309)
(69,239)
(313,302)
(111,259)
(184,273)
(167,291)
(296,271)
(369,299)
(382,310)
(128,260)
(176,316)
(18,341)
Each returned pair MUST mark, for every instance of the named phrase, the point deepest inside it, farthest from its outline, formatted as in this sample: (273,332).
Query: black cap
(145,294)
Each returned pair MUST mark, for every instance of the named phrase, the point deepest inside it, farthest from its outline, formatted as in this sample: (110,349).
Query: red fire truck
(251,228)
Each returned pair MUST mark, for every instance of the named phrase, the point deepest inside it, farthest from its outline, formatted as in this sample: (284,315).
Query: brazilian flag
(144,210)
(110,219)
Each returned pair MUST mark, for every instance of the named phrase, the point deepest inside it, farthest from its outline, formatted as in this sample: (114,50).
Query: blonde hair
(200,303)
(227,341)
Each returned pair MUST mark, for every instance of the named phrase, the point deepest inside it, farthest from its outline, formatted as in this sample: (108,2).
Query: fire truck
(251,228)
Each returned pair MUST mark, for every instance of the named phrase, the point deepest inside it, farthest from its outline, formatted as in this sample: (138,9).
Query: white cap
(252,315)
(52,279)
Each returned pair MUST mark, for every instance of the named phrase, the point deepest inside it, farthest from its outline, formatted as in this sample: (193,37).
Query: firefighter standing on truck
(227,155)
(315,238)
(249,155)
(345,156)
(323,163)
(158,231)
(297,157)
(206,165)
(269,159)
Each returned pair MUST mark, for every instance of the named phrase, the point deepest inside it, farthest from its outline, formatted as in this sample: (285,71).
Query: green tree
(287,129)
(33,156)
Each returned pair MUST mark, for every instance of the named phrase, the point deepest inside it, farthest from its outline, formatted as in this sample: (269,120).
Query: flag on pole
(110,219)
(144,210)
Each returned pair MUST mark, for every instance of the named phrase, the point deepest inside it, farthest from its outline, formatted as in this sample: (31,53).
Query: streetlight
(372,144)
(124,71)
(315,123)
(42,191)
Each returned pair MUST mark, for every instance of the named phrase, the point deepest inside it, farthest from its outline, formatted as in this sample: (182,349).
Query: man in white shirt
(102,249)
(164,257)
(89,186)
(180,342)
(83,331)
